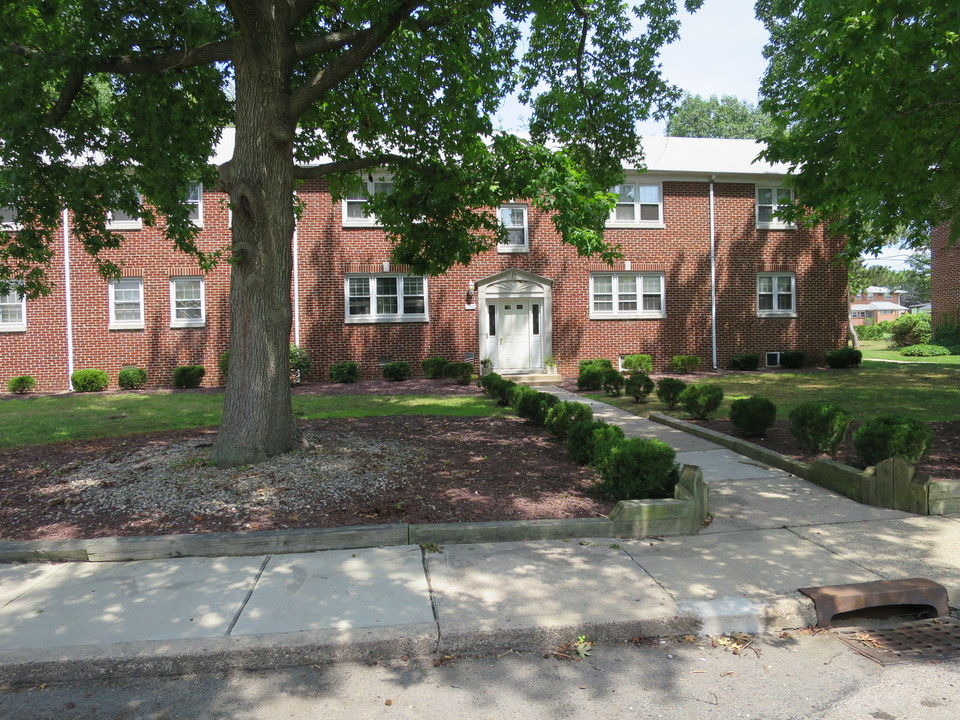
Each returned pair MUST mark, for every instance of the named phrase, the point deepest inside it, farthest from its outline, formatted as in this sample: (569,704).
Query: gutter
(713,278)
(68,299)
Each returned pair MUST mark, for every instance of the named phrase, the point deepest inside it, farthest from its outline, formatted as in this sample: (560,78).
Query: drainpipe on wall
(713,278)
(296,289)
(68,297)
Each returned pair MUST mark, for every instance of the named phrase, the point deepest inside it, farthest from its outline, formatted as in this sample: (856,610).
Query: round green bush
(462,372)
(639,468)
(819,426)
(612,382)
(89,380)
(792,359)
(639,386)
(131,378)
(684,363)
(345,372)
(562,416)
(223,362)
(21,384)
(397,371)
(911,329)
(702,401)
(581,437)
(668,391)
(188,376)
(752,416)
(843,358)
(300,363)
(638,363)
(924,350)
(745,361)
(888,436)
(433,367)
(590,378)
(533,405)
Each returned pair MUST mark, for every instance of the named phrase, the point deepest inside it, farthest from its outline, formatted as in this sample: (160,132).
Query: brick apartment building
(876,305)
(707,270)
(944,278)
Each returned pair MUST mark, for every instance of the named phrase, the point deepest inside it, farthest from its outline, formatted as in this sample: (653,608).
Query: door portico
(515,321)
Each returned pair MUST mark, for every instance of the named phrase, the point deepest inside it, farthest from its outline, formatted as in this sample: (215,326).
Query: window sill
(361,224)
(366,320)
(125,326)
(637,226)
(775,226)
(13,328)
(196,324)
(112,227)
(625,316)
(512,249)
(777,314)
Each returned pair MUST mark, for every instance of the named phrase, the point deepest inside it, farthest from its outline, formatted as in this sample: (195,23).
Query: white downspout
(296,287)
(68,299)
(713,277)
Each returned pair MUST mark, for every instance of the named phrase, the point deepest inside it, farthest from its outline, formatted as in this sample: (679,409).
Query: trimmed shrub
(843,358)
(584,437)
(792,359)
(911,329)
(702,401)
(223,362)
(533,405)
(397,371)
(877,331)
(684,363)
(638,468)
(498,388)
(188,376)
(946,334)
(924,350)
(433,367)
(638,364)
(89,380)
(300,363)
(488,381)
(345,372)
(668,391)
(612,382)
(562,416)
(605,438)
(639,386)
(590,376)
(21,384)
(752,416)
(462,372)
(888,436)
(601,363)
(745,361)
(819,426)
(131,378)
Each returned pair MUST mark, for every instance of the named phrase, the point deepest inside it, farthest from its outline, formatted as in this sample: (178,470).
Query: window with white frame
(638,205)
(187,306)
(8,219)
(355,204)
(126,303)
(13,312)
(776,294)
(195,201)
(626,295)
(514,220)
(770,201)
(385,298)
(122,220)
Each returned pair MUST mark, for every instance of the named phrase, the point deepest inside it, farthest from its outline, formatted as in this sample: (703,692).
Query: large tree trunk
(258,419)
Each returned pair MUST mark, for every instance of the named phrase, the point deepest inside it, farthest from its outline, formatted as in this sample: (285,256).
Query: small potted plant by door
(486,366)
(551,365)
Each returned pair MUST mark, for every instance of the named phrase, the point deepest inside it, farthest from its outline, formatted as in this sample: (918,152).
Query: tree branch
(330,41)
(366,44)
(313,172)
(220,51)
(71,87)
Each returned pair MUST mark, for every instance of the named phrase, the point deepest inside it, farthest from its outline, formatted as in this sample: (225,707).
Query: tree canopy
(726,117)
(865,100)
(119,105)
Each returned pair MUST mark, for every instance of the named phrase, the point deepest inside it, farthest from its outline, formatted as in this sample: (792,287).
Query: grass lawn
(34,420)
(882,350)
(926,391)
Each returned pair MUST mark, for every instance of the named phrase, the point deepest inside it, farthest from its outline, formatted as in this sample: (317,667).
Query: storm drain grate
(934,639)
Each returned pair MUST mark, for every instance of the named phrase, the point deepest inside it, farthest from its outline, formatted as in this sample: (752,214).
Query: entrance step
(830,600)
(534,379)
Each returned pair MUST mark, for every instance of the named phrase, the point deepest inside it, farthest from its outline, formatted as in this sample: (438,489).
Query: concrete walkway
(772,533)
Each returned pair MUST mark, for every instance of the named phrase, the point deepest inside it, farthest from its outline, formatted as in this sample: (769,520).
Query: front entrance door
(514,350)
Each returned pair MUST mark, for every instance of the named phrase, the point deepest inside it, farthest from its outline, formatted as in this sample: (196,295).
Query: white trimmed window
(187,305)
(195,201)
(385,298)
(626,295)
(638,205)
(355,204)
(13,312)
(126,304)
(770,201)
(776,294)
(8,219)
(122,220)
(514,220)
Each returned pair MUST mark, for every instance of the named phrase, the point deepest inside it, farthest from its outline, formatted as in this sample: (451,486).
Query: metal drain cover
(935,639)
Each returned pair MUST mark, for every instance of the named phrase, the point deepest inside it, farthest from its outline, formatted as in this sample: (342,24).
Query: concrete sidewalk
(772,533)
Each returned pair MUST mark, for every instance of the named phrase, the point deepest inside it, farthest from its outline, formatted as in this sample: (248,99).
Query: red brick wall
(326,248)
(945,277)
